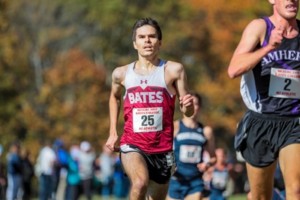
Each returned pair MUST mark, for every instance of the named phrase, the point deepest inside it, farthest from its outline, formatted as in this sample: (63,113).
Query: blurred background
(56,59)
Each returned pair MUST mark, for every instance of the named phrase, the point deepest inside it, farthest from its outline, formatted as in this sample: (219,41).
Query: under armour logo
(144,81)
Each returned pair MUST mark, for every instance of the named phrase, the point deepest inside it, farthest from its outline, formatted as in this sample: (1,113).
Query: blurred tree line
(56,59)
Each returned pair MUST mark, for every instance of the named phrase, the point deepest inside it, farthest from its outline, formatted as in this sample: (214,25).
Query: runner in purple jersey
(268,61)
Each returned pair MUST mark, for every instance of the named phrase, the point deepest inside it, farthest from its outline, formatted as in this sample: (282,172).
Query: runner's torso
(148,111)
(188,150)
(273,86)
(219,179)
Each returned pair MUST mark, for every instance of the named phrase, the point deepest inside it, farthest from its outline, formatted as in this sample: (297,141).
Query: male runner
(190,142)
(268,59)
(151,85)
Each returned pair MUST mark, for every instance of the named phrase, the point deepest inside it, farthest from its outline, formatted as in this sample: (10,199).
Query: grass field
(238,197)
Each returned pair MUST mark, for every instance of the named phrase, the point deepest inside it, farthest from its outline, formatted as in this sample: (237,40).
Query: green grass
(238,197)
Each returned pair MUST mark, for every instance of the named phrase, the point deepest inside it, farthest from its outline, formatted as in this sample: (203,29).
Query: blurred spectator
(44,169)
(107,163)
(86,159)
(2,176)
(97,185)
(60,168)
(239,174)
(14,172)
(73,178)
(27,174)
(121,182)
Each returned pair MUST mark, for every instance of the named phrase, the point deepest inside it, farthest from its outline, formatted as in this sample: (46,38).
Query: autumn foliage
(57,57)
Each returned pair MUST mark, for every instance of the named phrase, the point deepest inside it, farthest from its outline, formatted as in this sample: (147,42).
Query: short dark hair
(198,96)
(146,21)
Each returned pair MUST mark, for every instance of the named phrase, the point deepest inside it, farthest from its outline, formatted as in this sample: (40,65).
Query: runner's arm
(246,56)
(114,106)
(185,99)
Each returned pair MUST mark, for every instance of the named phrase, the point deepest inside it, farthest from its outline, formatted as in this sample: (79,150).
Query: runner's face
(288,9)
(146,41)
(221,156)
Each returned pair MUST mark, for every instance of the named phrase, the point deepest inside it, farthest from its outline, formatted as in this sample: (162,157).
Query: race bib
(285,83)
(147,119)
(219,180)
(190,154)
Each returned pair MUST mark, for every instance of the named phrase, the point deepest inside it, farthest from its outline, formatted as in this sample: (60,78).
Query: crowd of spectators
(61,172)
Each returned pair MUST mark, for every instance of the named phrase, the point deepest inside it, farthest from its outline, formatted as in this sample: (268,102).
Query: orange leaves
(72,98)
(74,67)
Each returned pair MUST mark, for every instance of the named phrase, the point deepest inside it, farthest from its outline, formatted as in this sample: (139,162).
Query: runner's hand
(112,143)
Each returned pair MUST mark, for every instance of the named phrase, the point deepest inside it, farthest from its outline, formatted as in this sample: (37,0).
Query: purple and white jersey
(273,86)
